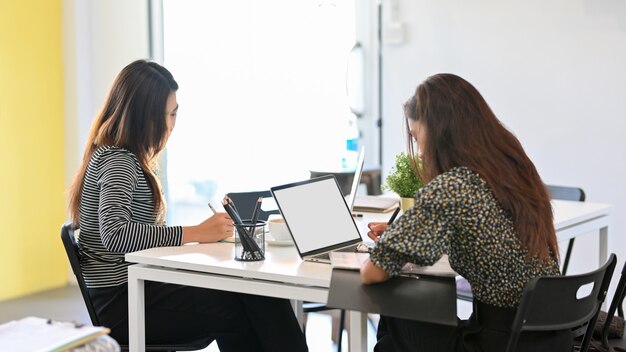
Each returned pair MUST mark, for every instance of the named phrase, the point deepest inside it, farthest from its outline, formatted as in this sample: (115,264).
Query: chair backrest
(71,249)
(246,201)
(553,303)
(616,304)
(566,193)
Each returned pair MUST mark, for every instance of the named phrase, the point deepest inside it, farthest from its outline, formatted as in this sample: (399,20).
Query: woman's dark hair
(134,118)
(461,130)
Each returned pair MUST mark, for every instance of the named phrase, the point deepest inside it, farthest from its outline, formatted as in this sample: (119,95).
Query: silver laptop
(318,218)
(356,181)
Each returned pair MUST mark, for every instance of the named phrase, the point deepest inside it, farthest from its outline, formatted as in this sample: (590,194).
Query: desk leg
(357,335)
(604,245)
(604,253)
(136,313)
(297,309)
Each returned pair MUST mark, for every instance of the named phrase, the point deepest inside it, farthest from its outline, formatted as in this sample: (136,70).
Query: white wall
(553,71)
(99,39)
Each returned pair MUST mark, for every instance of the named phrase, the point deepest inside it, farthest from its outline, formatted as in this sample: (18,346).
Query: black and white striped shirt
(117,217)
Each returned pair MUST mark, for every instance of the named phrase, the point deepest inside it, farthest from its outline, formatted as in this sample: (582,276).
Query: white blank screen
(316,214)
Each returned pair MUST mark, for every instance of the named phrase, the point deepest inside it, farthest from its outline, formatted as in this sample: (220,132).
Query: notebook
(428,299)
(318,218)
(375,204)
(348,261)
(354,261)
(40,334)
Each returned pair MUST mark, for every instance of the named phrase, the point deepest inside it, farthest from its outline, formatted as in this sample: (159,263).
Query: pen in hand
(393,216)
(212,208)
(377,228)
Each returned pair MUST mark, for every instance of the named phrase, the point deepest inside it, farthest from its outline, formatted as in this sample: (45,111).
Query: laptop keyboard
(348,249)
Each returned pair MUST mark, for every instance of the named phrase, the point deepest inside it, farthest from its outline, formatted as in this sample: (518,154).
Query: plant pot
(406,203)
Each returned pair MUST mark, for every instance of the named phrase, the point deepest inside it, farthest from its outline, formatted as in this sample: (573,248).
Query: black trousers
(487,330)
(175,314)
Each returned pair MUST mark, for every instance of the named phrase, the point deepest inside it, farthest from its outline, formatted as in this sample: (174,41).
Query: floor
(58,304)
(66,304)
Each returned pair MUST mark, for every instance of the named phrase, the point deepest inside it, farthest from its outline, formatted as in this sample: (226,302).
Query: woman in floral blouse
(485,206)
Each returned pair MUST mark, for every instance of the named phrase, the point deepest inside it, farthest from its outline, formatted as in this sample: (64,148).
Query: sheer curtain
(262,96)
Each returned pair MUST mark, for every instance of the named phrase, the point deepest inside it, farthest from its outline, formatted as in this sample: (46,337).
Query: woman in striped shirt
(116,201)
(485,206)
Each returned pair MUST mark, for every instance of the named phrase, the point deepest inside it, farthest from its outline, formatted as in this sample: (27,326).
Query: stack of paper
(38,334)
(353,261)
(347,260)
(375,204)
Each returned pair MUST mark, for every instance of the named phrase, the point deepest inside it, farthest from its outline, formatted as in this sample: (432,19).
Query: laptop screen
(316,214)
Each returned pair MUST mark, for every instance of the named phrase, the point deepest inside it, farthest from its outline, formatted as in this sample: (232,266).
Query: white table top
(283,264)
(568,213)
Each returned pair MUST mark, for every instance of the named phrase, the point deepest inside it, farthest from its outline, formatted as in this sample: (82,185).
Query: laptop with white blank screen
(318,218)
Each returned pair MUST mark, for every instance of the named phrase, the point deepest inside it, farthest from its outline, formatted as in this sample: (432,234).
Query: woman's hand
(371,274)
(376,229)
(213,229)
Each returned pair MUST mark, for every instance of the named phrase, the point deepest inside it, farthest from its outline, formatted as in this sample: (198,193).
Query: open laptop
(317,217)
(356,181)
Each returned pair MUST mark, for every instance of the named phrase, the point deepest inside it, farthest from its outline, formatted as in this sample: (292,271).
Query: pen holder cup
(250,241)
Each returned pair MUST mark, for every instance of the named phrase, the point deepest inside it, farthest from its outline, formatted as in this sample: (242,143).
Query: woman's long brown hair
(133,117)
(461,130)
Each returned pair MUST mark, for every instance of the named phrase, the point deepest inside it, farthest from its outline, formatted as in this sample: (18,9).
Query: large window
(263,95)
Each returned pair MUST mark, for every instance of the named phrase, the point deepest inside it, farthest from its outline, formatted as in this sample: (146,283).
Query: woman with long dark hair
(116,201)
(484,205)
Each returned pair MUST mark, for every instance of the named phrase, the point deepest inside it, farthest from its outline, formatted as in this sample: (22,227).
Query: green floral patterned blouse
(457,214)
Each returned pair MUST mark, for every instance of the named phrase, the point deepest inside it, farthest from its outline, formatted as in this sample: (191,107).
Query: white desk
(572,219)
(282,274)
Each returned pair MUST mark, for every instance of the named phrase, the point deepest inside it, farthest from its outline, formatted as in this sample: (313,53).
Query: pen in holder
(250,241)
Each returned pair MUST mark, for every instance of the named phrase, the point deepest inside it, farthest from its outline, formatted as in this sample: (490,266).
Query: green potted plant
(403,181)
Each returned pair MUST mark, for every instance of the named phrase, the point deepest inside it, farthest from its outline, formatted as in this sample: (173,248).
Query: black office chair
(245,203)
(464,291)
(552,303)
(567,193)
(73,255)
(617,304)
